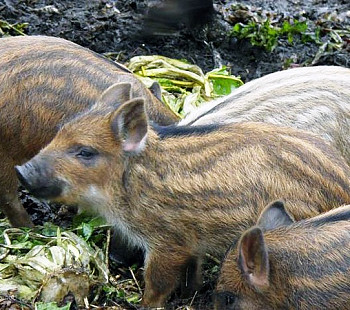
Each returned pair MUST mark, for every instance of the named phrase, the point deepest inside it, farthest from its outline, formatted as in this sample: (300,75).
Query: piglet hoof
(153,302)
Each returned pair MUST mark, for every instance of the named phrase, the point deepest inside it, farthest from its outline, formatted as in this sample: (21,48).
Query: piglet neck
(168,160)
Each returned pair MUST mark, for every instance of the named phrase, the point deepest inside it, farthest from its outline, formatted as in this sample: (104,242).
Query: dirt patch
(115,26)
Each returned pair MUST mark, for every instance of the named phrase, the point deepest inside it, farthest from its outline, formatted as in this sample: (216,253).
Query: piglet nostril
(28,166)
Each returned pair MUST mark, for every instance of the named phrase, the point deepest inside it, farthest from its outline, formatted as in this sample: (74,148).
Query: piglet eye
(86,153)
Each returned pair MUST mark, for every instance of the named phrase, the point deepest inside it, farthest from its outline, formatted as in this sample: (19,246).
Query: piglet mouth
(46,192)
(38,185)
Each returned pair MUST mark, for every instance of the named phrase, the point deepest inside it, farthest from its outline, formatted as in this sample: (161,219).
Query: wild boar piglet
(282,264)
(45,81)
(315,99)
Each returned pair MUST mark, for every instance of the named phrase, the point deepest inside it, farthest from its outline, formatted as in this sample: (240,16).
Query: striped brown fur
(44,81)
(308,267)
(315,99)
(179,192)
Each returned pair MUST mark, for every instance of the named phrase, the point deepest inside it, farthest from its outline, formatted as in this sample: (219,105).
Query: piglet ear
(253,258)
(274,216)
(115,95)
(130,125)
(156,90)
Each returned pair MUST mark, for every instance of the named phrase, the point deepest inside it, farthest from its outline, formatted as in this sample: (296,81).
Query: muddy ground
(117,28)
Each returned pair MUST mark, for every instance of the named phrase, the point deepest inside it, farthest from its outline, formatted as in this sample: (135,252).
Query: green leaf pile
(184,86)
(45,264)
(266,35)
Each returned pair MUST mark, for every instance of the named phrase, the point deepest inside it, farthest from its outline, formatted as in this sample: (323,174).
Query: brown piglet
(179,192)
(282,264)
(45,81)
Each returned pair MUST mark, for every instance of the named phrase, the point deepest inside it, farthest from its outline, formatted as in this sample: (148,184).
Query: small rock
(51,9)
